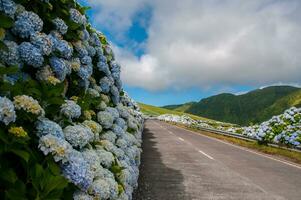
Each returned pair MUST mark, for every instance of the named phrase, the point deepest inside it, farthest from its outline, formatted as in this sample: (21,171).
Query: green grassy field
(156,111)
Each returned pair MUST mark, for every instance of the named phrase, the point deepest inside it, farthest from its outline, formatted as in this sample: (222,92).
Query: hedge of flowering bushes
(67,129)
(284,129)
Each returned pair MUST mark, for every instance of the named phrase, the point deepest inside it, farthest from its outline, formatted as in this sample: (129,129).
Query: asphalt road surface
(178,164)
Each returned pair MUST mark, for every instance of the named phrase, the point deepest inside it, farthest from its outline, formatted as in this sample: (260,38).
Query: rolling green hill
(156,111)
(253,107)
(180,107)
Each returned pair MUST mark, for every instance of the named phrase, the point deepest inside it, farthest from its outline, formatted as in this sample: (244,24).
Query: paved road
(178,165)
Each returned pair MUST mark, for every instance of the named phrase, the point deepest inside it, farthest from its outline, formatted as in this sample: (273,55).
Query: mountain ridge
(252,107)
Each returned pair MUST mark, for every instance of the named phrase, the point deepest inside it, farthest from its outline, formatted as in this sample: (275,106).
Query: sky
(175,51)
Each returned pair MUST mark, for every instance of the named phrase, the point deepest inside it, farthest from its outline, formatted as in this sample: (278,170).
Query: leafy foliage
(253,107)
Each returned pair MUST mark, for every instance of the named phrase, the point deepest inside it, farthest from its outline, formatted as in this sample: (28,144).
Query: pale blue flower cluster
(8,7)
(70,109)
(85,72)
(93,92)
(94,40)
(59,67)
(27,23)
(58,147)
(60,25)
(77,170)
(105,119)
(78,135)
(7,111)
(45,127)
(43,42)
(105,84)
(30,54)
(106,158)
(11,56)
(77,17)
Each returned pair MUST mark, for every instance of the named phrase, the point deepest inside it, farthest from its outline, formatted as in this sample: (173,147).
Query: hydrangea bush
(67,128)
(284,129)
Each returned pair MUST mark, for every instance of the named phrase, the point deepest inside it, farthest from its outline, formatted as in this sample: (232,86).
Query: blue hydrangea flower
(8,7)
(99,51)
(78,135)
(80,49)
(115,95)
(121,123)
(13,78)
(115,70)
(93,92)
(31,55)
(104,188)
(123,111)
(94,40)
(70,109)
(105,158)
(86,60)
(27,23)
(118,84)
(103,67)
(77,170)
(59,67)
(10,57)
(121,143)
(64,48)
(105,84)
(91,50)
(7,111)
(113,111)
(58,147)
(84,35)
(60,25)
(77,17)
(42,42)
(117,129)
(45,126)
(109,135)
(80,195)
(85,71)
(105,119)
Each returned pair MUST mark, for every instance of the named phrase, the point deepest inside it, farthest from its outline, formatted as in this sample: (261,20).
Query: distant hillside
(180,107)
(253,107)
(156,111)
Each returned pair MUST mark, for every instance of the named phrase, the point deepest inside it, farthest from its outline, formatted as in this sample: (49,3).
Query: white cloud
(205,43)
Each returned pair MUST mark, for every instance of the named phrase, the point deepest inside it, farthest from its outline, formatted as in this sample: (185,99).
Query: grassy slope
(180,107)
(156,111)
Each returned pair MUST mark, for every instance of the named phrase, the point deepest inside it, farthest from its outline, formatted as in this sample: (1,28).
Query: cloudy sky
(173,51)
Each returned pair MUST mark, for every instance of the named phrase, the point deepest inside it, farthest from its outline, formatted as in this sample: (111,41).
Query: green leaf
(54,168)
(5,21)
(36,173)
(9,176)
(9,70)
(3,47)
(53,183)
(21,153)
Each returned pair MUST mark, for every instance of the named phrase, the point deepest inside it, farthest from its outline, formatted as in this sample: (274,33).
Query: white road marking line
(244,149)
(189,144)
(206,155)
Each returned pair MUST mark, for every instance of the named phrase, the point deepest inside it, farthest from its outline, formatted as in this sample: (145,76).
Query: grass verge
(278,152)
